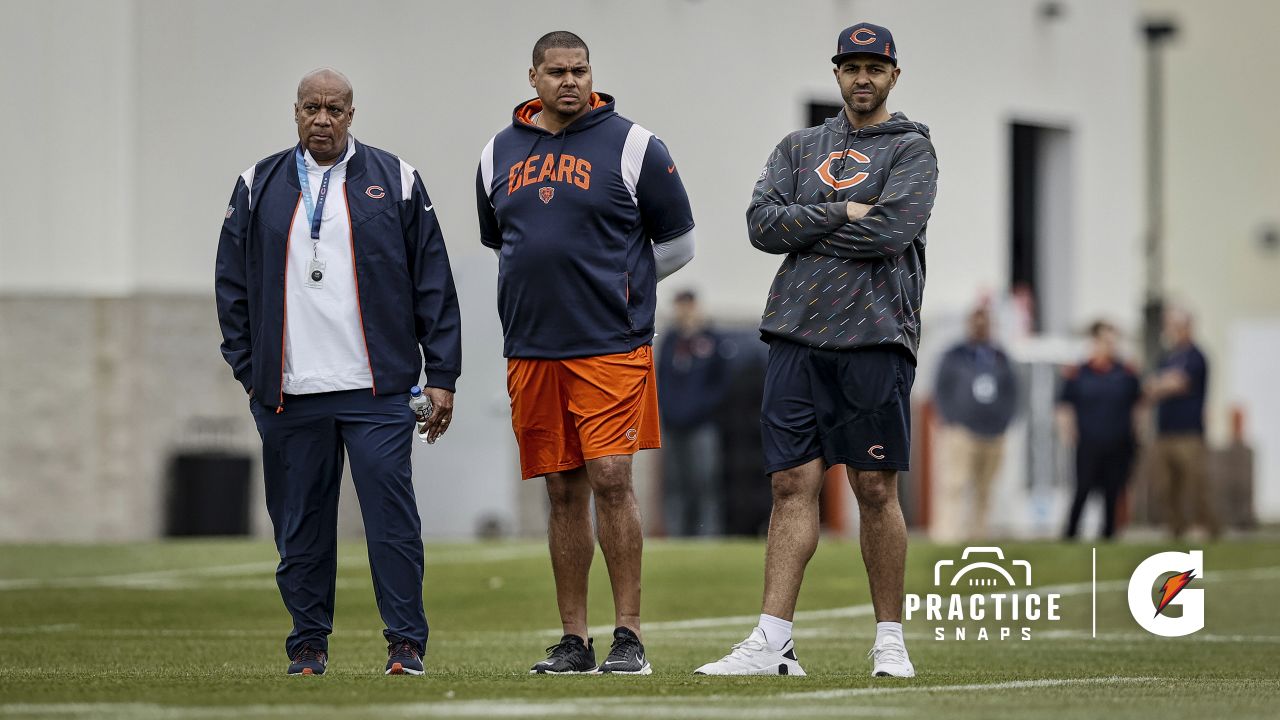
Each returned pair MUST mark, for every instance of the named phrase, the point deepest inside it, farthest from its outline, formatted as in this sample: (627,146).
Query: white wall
(157,106)
(69,130)
(205,88)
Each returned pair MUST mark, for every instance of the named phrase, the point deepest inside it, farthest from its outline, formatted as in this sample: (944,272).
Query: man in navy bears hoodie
(586,212)
(334,294)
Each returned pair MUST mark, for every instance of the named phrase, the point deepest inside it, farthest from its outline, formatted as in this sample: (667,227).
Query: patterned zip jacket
(846,284)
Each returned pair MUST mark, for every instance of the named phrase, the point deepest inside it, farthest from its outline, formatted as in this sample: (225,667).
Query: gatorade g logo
(824,170)
(1148,609)
(863,36)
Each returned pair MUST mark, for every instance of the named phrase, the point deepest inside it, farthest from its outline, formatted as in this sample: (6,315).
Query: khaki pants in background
(968,466)
(1181,477)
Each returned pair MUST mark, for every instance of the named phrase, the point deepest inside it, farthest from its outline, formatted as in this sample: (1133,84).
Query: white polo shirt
(324,348)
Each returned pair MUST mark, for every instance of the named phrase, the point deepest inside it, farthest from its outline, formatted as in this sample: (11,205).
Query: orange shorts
(565,412)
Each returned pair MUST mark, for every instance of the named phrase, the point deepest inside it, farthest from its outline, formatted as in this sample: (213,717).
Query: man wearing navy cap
(846,204)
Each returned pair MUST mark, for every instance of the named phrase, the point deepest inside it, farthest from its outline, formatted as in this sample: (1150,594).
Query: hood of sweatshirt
(601,110)
(897,123)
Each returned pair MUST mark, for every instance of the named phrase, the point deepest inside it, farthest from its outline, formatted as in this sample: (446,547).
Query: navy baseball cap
(867,39)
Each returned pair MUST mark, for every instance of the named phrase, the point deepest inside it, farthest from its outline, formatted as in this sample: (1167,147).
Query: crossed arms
(779,225)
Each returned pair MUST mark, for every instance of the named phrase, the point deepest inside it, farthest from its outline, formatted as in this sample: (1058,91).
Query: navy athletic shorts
(848,407)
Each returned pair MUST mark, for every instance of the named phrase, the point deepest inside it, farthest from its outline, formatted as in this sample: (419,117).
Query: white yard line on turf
(852,611)
(974,687)
(448,709)
(693,625)
(731,707)
(146,579)
(1136,637)
(184,578)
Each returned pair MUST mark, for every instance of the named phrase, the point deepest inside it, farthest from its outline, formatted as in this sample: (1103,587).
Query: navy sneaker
(568,657)
(626,655)
(309,661)
(403,658)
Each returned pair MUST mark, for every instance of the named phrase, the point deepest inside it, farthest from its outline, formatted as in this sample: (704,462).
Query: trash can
(208,494)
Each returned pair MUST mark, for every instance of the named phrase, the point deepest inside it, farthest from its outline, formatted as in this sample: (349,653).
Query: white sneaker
(889,659)
(753,657)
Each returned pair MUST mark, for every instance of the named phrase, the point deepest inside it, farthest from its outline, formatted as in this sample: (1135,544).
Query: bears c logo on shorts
(632,434)
(876,451)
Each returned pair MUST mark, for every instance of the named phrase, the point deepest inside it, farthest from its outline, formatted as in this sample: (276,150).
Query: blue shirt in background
(1103,396)
(976,388)
(1184,414)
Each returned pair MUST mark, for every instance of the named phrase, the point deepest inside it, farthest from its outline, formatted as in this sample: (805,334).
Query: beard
(866,106)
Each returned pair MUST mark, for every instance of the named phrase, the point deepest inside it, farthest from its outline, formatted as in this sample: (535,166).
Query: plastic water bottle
(421,406)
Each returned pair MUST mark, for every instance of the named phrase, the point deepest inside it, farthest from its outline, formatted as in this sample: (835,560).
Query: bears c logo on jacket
(824,170)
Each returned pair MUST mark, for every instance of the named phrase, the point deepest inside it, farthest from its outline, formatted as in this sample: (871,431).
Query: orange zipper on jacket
(284,310)
(351,238)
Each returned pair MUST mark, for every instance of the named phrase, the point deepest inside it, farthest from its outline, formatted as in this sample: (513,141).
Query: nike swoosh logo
(616,662)
(671,169)
(427,208)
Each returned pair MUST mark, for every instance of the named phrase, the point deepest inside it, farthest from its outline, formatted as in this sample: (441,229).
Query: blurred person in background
(1178,390)
(977,395)
(1097,408)
(693,376)
(328,309)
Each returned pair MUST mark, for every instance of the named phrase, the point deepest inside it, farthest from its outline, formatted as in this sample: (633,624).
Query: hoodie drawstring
(844,151)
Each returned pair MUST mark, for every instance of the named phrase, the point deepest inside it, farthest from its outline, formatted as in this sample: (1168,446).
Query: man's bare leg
(621,535)
(572,546)
(793,536)
(883,536)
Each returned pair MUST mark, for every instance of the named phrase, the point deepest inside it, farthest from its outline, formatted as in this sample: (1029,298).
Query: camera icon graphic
(984,573)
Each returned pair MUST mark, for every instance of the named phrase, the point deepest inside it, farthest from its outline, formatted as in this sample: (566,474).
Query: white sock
(776,631)
(889,632)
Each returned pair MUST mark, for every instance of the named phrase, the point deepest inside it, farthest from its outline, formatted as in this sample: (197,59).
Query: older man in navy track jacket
(333,285)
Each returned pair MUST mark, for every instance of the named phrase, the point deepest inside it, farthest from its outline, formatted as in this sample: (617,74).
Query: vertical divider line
(1094,592)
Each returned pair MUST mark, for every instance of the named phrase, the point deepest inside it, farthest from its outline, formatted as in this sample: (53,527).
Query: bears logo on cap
(863,36)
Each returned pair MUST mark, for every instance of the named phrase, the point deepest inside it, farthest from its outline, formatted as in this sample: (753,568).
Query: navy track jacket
(404,283)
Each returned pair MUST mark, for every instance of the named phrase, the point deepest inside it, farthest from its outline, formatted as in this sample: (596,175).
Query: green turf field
(195,630)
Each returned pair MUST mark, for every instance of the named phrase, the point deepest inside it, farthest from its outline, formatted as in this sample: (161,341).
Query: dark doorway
(820,111)
(1040,235)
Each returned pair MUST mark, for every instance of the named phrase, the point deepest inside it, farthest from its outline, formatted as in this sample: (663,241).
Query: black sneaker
(568,657)
(626,656)
(403,658)
(309,661)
